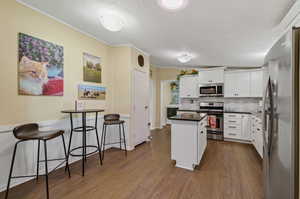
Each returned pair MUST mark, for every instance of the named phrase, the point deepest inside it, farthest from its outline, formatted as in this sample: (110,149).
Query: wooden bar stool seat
(109,120)
(29,132)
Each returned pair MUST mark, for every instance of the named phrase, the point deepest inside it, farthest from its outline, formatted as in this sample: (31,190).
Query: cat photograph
(32,76)
(40,67)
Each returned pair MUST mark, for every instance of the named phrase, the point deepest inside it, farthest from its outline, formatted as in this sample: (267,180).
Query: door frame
(162,82)
(152,103)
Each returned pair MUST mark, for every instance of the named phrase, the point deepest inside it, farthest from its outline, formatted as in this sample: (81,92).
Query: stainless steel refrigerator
(281,118)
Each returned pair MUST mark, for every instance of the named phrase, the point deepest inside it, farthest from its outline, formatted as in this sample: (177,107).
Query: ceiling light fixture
(173,4)
(112,22)
(184,58)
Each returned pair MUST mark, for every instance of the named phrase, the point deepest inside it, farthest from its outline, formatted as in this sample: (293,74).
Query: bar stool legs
(66,156)
(11,170)
(38,161)
(103,137)
(99,148)
(46,168)
(124,139)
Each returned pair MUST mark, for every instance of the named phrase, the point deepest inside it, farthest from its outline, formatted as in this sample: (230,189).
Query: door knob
(146,107)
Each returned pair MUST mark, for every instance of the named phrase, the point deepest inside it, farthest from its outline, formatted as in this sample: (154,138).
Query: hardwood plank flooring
(227,171)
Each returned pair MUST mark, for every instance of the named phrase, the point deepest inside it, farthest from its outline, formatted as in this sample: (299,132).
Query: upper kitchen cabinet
(211,76)
(256,83)
(188,87)
(237,84)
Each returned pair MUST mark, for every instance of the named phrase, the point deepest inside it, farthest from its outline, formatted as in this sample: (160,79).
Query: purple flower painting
(40,67)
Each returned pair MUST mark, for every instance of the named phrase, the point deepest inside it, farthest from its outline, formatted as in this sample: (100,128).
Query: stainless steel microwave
(211,90)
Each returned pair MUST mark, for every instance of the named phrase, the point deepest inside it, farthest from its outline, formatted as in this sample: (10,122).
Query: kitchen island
(188,139)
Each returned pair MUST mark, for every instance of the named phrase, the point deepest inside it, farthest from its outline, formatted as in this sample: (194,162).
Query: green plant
(187,72)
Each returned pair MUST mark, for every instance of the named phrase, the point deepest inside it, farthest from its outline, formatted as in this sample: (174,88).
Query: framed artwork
(92,68)
(40,67)
(91,92)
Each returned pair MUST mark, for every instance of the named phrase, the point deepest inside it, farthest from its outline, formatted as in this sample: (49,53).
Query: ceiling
(216,33)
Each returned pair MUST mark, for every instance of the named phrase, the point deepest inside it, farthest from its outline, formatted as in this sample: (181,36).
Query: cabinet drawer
(233,120)
(232,133)
(233,125)
(232,116)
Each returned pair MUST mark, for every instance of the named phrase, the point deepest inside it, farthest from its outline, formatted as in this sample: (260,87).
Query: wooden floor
(228,171)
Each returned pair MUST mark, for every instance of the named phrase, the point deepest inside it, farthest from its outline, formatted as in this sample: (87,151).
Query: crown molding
(131,46)
(81,31)
(292,18)
(63,22)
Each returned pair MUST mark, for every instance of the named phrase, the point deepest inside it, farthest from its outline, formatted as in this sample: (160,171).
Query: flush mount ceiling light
(184,58)
(172,4)
(112,22)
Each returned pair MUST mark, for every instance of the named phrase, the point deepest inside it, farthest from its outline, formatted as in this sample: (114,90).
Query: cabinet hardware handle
(232,121)
(201,132)
(232,127)
(231,134)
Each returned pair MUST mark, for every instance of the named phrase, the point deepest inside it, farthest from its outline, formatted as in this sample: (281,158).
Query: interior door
(140,105)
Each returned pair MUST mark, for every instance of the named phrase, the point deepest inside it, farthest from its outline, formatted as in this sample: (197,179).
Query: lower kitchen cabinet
(257,134)
(188,142)
(246,128)
(237,126)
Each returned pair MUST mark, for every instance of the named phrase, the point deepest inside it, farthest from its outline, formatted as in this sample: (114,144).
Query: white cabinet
(210,76)
(188,142)
(246,127)
(237,84)
(244,83)
(256,83)
(202,138)
(188,87)
(257,134)
(237,126)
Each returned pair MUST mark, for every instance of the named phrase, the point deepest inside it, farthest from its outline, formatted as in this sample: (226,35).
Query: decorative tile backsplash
(230,104)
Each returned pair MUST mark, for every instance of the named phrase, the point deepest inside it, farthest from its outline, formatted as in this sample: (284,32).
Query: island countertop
(189,117)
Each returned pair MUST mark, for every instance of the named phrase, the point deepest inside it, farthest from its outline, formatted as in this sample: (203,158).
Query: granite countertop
(238,112)
(189,117)
(189,110)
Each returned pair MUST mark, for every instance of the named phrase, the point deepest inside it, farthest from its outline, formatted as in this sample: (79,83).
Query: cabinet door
(237,84)
(256,83)
(229,86)
(188,87)
(246,127)
(211,76)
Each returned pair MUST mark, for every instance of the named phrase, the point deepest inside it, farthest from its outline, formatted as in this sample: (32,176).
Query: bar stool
(109,120)
(29,132)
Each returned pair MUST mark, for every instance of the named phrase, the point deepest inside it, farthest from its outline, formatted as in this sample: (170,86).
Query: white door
(140,105)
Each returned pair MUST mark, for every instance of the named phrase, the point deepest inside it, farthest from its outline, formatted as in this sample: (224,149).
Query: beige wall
(158,75)
(15,18)
(117,63)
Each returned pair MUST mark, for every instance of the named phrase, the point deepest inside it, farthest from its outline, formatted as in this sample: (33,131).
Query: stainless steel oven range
(215,113)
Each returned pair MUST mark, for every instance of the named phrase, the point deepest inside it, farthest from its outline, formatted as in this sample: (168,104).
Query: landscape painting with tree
(40,67)
(91,68)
